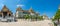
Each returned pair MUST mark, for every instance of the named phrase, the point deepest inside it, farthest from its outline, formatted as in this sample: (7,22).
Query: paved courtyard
(27,23)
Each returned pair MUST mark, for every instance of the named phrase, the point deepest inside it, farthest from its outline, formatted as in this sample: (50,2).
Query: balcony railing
(7,18)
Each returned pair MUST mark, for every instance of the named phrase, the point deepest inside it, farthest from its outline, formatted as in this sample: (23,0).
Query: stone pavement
(28,23)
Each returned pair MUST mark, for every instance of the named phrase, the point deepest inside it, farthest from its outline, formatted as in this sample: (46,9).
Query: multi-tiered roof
(31,10)
(28,11)
(5,10)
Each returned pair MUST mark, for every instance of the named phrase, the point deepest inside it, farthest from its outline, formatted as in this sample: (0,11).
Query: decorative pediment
(5,8)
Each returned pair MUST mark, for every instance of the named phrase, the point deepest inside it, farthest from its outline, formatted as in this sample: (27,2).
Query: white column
(17,14)
(2,14)
(7,14)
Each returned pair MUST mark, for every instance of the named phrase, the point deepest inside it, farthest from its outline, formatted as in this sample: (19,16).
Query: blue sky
(49,7)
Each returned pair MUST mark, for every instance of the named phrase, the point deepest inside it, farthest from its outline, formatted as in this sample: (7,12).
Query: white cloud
(1,5)
(20,5)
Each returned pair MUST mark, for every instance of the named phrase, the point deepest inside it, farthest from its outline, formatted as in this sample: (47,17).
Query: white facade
(32,13)
(17,14)
(45,17)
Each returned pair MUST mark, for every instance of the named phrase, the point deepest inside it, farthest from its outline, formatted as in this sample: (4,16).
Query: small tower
(45,17)
(18,10)
(31,10)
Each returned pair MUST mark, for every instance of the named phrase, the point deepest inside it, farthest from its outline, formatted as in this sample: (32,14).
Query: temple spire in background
(45,17)
(59,6)
(31,10)
(19,8)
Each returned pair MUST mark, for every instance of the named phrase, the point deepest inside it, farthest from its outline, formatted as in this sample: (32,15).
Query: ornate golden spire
(5,8)
(31,10)
(19,9)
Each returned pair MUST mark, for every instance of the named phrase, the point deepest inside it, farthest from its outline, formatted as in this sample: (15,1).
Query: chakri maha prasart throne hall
(7,16)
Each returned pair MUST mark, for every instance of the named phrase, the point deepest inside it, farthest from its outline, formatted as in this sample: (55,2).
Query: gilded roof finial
(4,6)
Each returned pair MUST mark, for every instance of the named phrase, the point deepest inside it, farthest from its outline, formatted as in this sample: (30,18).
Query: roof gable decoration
(5,8)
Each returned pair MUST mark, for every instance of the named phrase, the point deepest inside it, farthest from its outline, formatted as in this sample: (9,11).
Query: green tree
(57,15)
(27,16)
(33,17)
(40,17)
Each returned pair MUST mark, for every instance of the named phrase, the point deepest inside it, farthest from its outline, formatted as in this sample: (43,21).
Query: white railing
(6,18)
